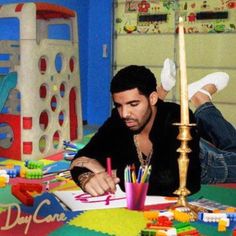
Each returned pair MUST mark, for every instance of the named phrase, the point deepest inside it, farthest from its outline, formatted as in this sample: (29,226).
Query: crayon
(109,168)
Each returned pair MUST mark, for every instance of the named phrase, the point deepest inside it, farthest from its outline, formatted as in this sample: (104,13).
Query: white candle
(183,76)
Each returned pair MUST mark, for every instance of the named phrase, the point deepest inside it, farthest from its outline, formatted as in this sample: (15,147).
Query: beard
(137,131)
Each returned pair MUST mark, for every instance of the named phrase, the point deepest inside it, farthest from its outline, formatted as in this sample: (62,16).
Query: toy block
(222,225)
(3,181)
(33,174)
(32,164)
(21,192)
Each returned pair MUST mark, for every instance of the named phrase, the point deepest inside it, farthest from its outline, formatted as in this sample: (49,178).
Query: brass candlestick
(184,128)
(183,161)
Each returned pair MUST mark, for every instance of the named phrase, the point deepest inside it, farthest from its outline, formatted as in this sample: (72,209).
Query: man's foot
(201,91)
(203,95)
(168,75)
(218,79)
(168,78)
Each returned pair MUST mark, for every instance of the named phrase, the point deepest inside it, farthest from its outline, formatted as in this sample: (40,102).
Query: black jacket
(115,140)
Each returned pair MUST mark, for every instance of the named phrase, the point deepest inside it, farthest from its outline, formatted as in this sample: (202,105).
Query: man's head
(134,94)
(132,77)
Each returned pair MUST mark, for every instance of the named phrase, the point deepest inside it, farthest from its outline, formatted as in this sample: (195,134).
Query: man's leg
(211,124)
(218,142)
(217,166)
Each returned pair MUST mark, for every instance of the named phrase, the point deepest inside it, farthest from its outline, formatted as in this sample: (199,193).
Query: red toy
(21,192)
(160,221)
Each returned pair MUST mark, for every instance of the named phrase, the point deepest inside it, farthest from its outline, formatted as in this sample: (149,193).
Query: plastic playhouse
(40,104)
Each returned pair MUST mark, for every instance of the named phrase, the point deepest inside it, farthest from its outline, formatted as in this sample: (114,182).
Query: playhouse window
(9,28)
(9,45)
(59,31)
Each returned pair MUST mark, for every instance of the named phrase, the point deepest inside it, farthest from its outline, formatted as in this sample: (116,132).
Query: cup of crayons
(136,186)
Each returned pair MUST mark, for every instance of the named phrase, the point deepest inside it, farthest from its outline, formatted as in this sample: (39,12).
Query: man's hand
(89,163)
(101,183)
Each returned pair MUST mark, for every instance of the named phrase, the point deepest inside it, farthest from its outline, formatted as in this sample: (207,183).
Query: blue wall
(99,68)
(95,29)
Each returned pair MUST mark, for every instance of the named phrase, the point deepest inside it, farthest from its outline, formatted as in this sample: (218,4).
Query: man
(217,135)
(140,131)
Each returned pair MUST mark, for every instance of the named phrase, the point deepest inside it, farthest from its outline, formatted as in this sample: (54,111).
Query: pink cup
(135,195)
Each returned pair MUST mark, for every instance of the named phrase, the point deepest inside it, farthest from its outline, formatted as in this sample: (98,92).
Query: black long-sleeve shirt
(115,140)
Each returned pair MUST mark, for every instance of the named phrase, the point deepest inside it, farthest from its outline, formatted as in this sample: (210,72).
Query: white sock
(168,75)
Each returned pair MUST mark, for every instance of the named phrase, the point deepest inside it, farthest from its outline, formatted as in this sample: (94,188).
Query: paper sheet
(80,201)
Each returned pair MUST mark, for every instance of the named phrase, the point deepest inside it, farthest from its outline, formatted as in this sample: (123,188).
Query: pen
(55,173)
(71,149)
(133,176)
(129,175)
(71,145)
(70,153)
(139,174)
(109,168)
(146,173)
(47,185)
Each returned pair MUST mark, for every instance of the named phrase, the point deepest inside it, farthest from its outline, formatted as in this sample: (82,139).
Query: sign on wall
(155,16)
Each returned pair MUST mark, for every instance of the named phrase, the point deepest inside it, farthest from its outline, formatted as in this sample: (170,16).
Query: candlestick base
(183,161)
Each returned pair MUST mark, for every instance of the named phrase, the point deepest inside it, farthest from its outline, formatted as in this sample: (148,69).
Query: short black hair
(134,76)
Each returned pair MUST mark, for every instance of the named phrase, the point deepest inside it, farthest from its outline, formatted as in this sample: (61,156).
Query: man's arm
(88,166)
(94,179)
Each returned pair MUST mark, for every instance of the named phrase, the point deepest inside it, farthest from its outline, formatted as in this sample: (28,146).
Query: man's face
(134,108)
